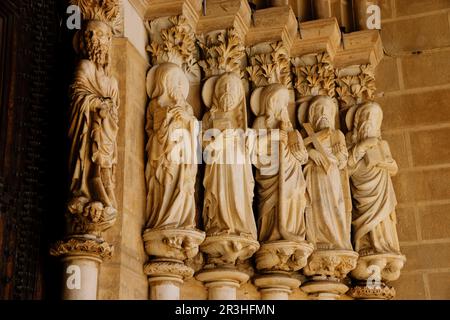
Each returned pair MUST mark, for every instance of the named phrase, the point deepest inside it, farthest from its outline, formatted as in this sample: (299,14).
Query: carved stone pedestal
(327,270)
(276,260)
(169,250)
(81,257)
(225,268)
(373,272)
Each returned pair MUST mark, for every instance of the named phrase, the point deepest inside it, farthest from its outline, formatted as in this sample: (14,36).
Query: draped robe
(328,224)
(170,180)
(281,195)
(374,219)
(92,134)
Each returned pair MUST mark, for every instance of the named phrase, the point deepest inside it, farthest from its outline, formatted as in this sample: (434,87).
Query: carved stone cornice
(273,25)
(225,14)
(314,75)
(83,246)
(269,63)
(360,48)
(172,39)
(317,36)
(152,9)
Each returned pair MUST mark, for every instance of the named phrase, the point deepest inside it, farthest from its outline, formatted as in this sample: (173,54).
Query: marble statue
(93,132)
(328,218)
(170,172)
(228,182)
(371,167)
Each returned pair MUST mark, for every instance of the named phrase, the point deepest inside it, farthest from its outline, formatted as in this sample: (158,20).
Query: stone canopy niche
(288,89)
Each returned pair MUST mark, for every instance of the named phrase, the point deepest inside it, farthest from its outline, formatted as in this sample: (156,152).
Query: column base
(222,283)
(165,277)
(276,286)
(324,289)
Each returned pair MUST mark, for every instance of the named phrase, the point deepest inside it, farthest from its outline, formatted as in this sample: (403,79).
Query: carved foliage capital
(172,39)
(80,246)
(356,85)
(223,51)
(105,11)
(314,75)
(269,64)
(331,263)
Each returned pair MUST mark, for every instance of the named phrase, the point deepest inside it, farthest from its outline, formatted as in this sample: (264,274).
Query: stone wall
(414,78)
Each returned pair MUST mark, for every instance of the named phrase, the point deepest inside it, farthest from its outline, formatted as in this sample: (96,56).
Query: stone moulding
(82,246)
(168,269)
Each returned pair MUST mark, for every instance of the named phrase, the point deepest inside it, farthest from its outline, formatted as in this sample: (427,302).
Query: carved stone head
(228,92)
(322,113)
(167,79)
(96,42)
(368,119)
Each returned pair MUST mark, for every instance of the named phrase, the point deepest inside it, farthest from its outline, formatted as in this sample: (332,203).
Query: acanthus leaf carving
(223,52)
(173,40)
(354,89)
(314,75)
(80,245)
(272,67)
(105,11)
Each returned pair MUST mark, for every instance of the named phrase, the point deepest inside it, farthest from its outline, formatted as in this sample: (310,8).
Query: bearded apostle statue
(281,186)
(93,133)
(371,167)
(228,180)
(328,215)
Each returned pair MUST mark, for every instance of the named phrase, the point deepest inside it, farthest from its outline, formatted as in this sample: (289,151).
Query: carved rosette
(314,75)
(269,64)
(285,256)
(223,51)
(228,250)
(172,39)
(355,85)
(83,246)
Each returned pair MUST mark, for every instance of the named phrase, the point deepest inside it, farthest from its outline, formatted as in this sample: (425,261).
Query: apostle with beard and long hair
(94,126)
(328,214)
(371,167)
(171,168)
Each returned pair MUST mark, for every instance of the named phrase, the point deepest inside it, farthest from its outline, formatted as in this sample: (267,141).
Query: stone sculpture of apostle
(371,167)
(171,170)
(228,181)
(328,215)
(93,133)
